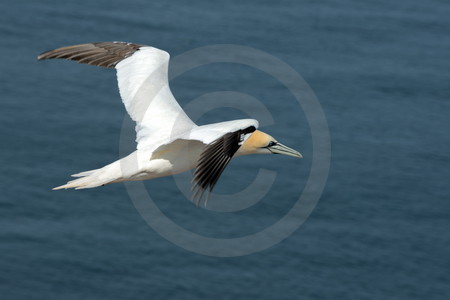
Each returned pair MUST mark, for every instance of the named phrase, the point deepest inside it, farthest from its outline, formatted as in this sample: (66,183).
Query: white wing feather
(145,92)
(209,133)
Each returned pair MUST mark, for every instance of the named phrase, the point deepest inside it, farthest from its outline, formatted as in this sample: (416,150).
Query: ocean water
(380,230)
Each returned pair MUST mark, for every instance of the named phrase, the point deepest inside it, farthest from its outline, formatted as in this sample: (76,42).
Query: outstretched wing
(142,74)
(216,156)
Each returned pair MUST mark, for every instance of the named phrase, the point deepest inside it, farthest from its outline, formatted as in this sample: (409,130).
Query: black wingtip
(101,54)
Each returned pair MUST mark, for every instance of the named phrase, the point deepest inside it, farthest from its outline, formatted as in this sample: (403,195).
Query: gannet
(168,141)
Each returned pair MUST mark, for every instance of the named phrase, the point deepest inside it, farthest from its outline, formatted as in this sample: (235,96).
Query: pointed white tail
(94,178)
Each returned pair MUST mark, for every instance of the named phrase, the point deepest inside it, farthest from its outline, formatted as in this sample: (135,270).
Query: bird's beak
(282,149)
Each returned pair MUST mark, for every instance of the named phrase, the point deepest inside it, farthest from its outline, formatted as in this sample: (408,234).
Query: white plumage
(168,142)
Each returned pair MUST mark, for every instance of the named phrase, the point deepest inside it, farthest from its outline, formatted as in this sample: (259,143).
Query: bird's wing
(223,141)
(142,74)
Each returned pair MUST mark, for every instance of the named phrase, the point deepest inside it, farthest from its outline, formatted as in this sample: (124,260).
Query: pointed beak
(282,149)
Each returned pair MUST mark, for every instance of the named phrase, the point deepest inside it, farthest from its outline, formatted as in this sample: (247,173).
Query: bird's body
(168,142)
(179,157)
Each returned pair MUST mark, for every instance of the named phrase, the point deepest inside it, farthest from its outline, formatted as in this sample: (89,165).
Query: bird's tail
(94,178)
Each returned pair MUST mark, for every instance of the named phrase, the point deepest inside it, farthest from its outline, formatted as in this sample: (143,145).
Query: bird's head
(262,143)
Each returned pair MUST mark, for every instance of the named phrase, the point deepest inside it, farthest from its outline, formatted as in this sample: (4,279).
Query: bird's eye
(272,143)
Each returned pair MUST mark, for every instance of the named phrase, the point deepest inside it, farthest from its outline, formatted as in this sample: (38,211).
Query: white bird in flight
(168,141)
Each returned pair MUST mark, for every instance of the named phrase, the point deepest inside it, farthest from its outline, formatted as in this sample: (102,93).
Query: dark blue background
(381,229)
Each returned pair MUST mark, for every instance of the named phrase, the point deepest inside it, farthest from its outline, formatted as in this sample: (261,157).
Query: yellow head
(262,143)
